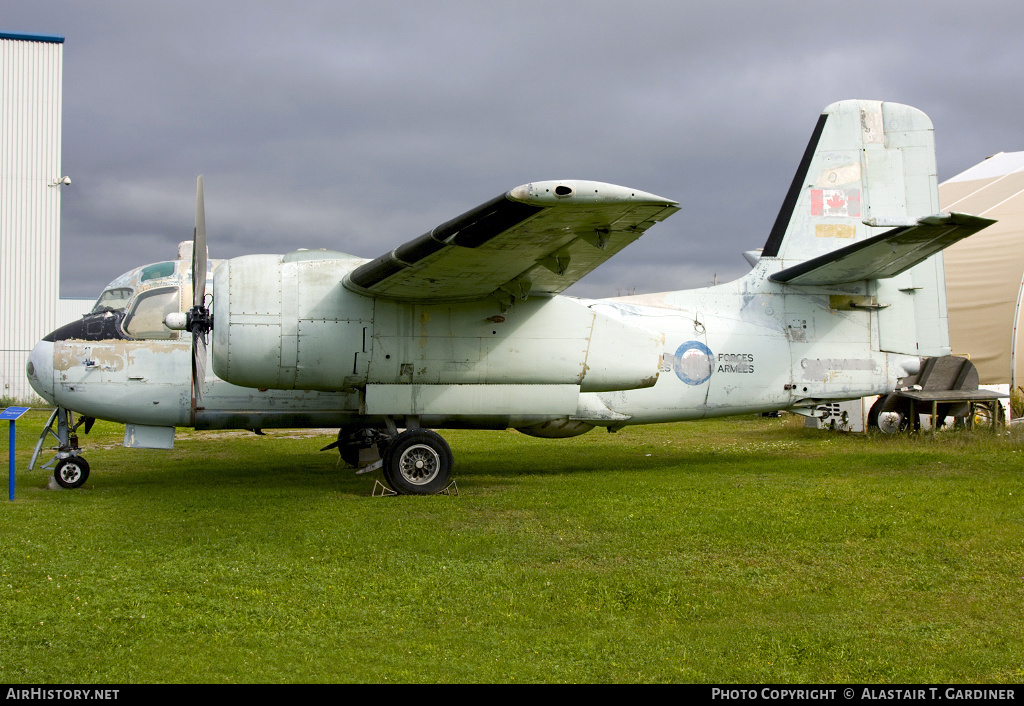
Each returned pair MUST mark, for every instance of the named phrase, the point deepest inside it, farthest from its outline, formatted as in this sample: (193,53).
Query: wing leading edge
(886,254)
(538,238)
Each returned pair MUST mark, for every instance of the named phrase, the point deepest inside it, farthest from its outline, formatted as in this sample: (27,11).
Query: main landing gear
(414,461)
(71,470)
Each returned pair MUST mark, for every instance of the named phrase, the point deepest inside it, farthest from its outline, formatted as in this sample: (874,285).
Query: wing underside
(535,239)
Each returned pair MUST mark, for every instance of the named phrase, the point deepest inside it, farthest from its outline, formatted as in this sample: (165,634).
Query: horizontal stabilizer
(886,254)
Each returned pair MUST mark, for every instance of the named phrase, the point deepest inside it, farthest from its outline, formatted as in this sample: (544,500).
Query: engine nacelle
(285,322)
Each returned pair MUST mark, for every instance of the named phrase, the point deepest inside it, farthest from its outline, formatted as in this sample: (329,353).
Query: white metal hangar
(30,189)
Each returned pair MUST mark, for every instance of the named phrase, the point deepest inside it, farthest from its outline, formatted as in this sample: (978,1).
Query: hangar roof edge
(32,37)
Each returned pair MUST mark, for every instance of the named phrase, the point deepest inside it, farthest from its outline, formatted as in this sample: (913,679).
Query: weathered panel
(111,379)
(330,355)
(538,341)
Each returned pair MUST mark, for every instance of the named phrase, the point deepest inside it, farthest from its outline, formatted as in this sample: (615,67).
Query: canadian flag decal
(835,203)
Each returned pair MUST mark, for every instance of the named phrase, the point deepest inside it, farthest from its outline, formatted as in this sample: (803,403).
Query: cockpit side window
(113,300)
(146,319)
(157,271)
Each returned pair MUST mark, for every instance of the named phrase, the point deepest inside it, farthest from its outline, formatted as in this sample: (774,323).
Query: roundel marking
(694,363)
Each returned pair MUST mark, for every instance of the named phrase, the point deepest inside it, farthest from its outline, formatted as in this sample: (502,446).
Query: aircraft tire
(875,410)
(418,462)
(891,415)
(71,472)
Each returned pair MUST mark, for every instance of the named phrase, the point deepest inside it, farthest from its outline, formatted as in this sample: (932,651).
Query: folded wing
(538,238)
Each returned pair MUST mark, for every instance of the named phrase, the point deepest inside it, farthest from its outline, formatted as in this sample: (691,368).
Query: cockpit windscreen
(113,300)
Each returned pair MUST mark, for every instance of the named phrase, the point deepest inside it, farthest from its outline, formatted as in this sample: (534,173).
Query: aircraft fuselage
(302,351)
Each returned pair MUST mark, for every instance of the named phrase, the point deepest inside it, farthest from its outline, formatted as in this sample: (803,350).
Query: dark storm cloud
(356,126)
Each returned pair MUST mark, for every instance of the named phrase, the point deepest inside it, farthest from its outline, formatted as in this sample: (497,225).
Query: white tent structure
(985,273)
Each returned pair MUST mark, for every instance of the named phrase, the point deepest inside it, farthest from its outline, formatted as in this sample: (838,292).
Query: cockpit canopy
(145,317)
(142,298)
(135,304)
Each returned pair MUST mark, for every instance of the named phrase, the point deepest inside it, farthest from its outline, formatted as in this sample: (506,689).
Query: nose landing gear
(71,472)
(71,469)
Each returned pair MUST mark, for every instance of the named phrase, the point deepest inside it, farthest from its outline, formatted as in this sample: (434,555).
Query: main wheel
(891,415)
(893,422)
(983,415)
(347,448)
(418,462)
(71,472)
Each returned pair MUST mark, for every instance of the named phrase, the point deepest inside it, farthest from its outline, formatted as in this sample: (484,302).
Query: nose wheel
(71,472)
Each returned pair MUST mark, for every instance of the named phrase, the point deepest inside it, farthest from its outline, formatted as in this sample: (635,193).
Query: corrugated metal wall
(69,310)
(30,163)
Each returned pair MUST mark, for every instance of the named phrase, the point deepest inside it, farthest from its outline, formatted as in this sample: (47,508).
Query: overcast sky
(356,126)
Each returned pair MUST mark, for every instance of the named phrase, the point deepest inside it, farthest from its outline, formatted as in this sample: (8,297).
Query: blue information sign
(11,414)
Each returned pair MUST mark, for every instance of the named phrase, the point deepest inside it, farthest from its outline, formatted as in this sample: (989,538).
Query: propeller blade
(199,248)
(198,369)
(199,321)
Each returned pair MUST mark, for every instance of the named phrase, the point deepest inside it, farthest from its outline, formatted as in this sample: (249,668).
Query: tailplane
(886,254)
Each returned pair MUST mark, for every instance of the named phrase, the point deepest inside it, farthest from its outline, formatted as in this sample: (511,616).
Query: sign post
(11,414)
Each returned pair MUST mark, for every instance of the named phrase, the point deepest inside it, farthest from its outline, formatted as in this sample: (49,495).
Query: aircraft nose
(39,370)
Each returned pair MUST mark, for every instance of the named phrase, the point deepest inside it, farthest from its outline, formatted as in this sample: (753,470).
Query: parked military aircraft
(465,326)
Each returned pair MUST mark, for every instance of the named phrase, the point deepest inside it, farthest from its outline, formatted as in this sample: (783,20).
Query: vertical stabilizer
(867,161)
(864,207)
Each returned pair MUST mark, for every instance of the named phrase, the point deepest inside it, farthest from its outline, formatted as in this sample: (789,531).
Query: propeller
(198,320)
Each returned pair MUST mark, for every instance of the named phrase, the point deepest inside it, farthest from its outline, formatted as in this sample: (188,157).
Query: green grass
(738,550)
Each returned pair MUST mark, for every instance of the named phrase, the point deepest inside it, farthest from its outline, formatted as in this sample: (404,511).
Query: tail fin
(868,162)
(864,207)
